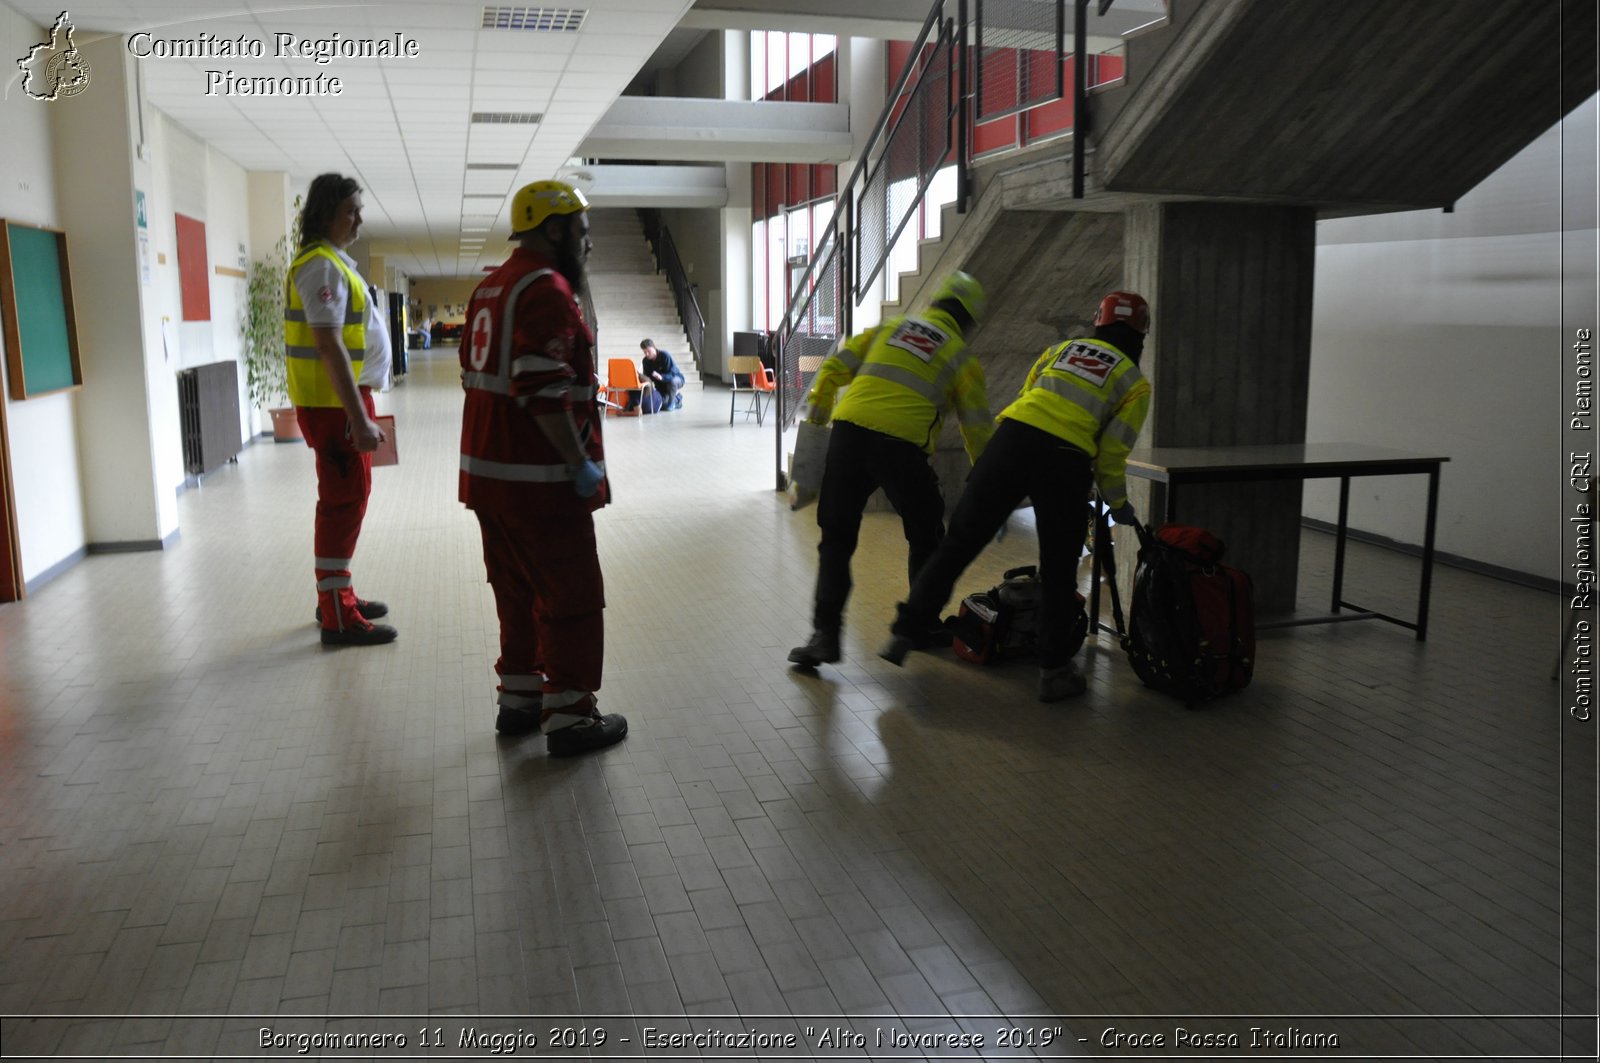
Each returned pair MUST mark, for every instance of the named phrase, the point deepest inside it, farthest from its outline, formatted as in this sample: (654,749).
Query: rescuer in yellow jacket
(904,377)
(1074,422)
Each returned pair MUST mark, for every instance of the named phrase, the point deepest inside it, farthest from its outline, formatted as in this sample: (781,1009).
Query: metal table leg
(1427,555)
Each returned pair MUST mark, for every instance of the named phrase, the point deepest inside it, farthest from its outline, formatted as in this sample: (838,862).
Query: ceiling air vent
(493,165)
(537,19)
(506,118)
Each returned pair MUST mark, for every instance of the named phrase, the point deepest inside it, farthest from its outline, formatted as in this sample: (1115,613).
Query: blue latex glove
(586,479)
(1124,514)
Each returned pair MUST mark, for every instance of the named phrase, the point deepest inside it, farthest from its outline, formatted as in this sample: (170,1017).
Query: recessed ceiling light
(506,117)
(476,230)
(493,165)
(537,19)
(483,195)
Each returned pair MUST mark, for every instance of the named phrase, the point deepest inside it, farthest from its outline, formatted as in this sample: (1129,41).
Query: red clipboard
(387,453)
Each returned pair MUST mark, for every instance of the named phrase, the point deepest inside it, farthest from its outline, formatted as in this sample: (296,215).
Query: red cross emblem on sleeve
(479,351)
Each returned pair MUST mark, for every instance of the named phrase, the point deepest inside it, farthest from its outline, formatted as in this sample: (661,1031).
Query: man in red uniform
(533,470)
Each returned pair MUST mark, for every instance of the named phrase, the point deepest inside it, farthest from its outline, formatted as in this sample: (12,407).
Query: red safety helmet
(1126,307)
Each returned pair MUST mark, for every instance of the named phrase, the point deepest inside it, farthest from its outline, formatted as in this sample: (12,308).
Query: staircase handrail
(669,262)
(804,287)
(839,250)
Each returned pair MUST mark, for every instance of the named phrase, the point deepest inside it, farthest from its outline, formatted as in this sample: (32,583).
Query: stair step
(632,300)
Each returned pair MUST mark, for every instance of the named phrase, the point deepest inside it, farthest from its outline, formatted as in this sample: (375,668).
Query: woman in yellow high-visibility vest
(338,351)
(1073,424)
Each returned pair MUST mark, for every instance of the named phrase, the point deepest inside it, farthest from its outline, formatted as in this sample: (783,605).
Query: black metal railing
(929,112)
(669,262)
(905,141)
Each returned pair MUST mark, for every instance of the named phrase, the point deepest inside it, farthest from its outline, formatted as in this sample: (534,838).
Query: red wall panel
(194,272)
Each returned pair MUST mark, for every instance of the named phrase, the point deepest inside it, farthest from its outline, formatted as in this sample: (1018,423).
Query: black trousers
(859,462)
(1020,462)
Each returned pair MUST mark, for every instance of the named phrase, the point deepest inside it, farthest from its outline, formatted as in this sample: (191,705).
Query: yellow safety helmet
(964,289)
(543,199)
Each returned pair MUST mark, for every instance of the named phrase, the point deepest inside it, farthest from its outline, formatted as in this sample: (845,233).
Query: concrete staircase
(631,300)
(1033,179)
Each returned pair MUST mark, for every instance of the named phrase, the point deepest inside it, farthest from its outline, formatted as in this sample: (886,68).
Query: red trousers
(548,591)
(344,480)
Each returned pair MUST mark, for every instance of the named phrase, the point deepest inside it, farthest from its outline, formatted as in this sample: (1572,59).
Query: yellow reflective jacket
(1089,393)
(309,383)
(904,376)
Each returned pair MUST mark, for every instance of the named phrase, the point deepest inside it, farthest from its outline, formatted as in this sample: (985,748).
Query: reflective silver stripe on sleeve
(333,583)
(486,382)
(490,382)
(948,371)
(534,363)
(902,376)
(508,327)
(553,391)
(848,358)
(1121,431)
(299,352)
(973,415)
(500,470)
(294,315)
(508,700)
(332,562)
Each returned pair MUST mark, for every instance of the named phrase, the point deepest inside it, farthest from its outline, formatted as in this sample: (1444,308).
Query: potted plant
(266,372)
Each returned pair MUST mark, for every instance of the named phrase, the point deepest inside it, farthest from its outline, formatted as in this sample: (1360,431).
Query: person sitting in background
(658,367)
(427,332)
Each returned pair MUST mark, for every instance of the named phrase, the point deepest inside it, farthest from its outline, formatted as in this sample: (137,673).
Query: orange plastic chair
(764,387)
(622,380)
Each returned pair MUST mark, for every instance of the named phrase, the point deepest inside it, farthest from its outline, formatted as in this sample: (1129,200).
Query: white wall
(868,89)
(1442,332)
(700,72)
(42,432)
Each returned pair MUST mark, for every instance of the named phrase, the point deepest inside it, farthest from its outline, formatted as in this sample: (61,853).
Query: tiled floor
(202,812)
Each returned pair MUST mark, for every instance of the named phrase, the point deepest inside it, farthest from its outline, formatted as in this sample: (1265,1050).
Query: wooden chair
(757,380)
(622,381)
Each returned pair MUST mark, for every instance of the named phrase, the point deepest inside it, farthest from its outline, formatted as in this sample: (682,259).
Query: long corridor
(205,813)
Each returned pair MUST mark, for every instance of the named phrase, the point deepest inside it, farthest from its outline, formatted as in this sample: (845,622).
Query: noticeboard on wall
(36,313)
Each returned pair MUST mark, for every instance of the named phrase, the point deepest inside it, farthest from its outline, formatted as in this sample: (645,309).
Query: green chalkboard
(41,334)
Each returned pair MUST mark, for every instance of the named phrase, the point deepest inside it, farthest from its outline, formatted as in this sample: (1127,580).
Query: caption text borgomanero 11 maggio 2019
(319,50)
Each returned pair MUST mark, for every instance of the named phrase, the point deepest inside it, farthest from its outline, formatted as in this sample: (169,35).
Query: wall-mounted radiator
(208,404)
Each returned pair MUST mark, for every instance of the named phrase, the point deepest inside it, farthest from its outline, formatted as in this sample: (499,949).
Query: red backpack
(1191,624)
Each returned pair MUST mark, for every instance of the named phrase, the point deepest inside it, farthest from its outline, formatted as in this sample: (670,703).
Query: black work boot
(822,649)
(912,631)
(596,732)
(515,720)
(370,635)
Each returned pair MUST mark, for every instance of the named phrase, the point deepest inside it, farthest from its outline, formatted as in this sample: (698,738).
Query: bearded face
(572,250)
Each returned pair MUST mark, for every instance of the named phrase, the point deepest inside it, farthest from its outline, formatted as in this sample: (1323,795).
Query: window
(792,203)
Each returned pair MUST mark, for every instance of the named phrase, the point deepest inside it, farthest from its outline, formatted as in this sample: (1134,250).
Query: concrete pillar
(128,407)
(1230,287)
